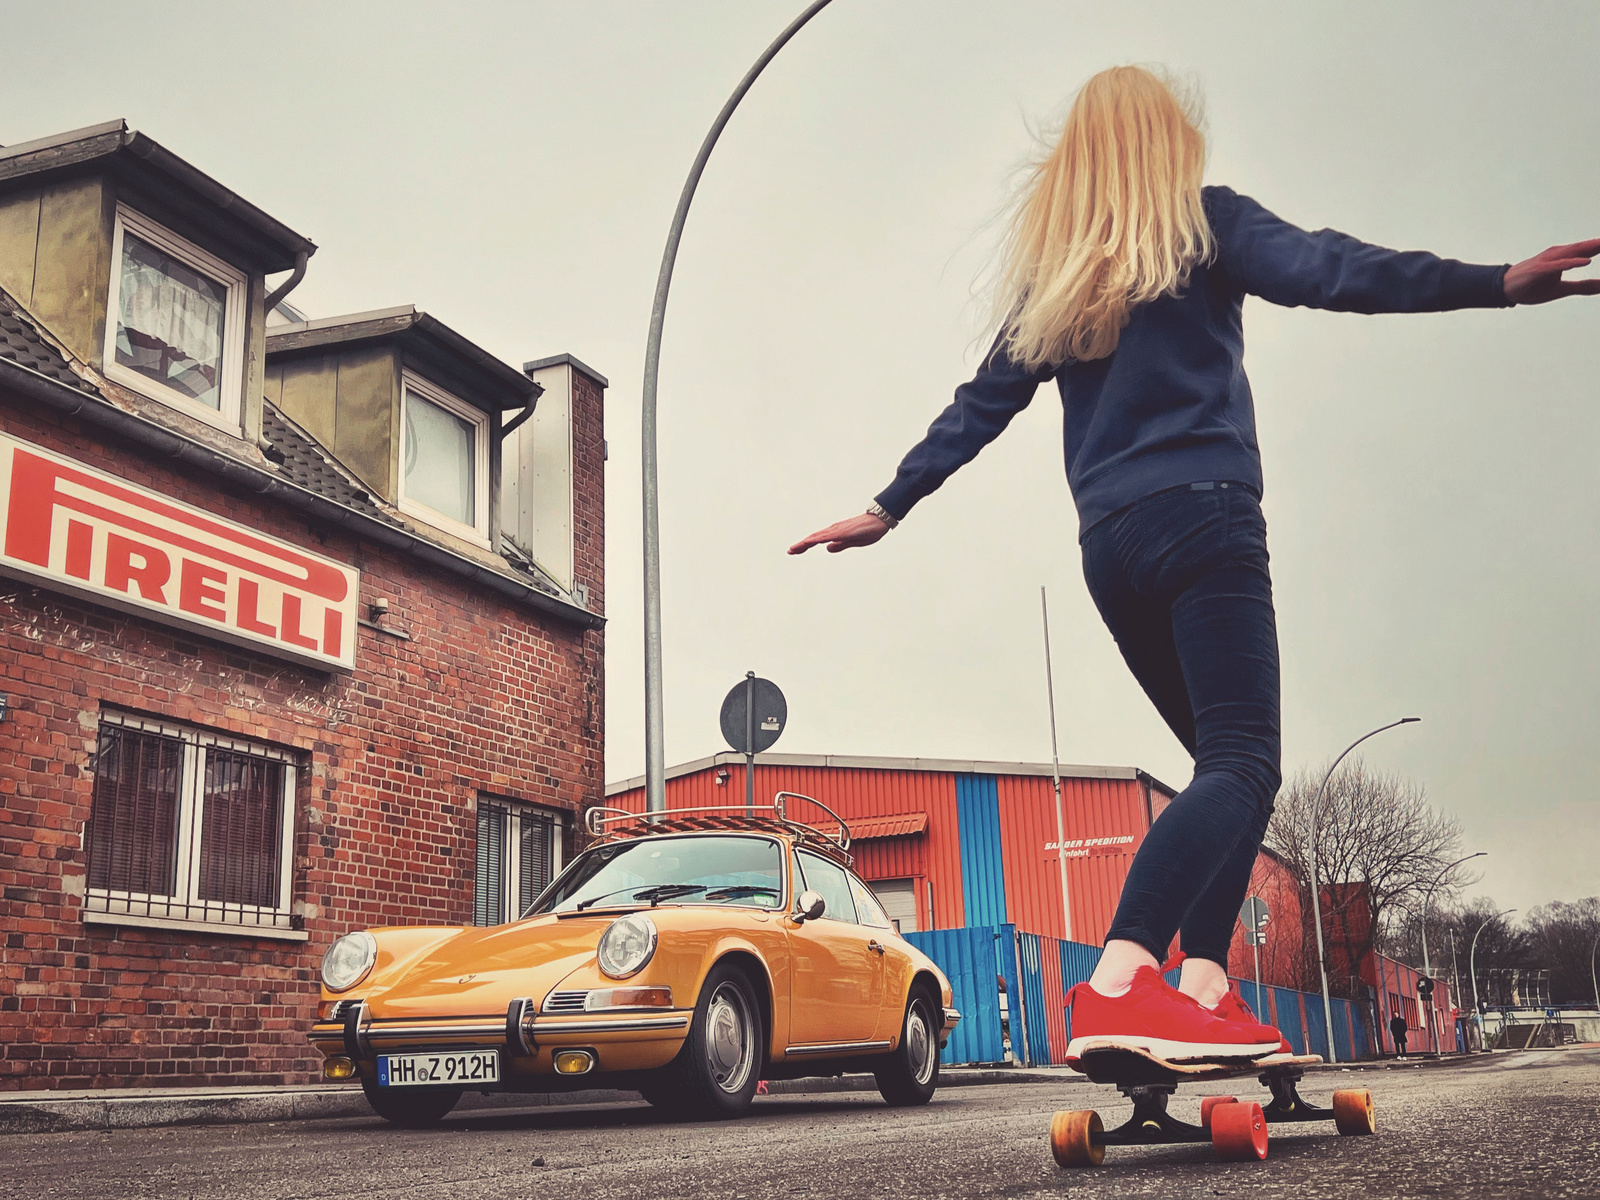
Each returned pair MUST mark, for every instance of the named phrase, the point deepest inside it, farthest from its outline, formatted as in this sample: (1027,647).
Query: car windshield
(741,871)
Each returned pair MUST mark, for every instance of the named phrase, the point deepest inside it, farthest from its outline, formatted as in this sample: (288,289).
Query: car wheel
(909,1074)
(411,1109)
(716,1073)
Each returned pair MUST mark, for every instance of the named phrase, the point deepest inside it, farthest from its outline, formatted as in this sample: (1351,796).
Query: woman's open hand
(1538,279)
(841,535)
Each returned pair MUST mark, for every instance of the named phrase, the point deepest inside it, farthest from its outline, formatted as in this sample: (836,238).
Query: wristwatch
(877,510)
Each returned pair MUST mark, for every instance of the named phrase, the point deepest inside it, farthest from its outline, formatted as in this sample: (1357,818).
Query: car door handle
(875,946)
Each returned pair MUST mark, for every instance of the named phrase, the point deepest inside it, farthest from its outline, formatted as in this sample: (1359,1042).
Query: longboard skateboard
(1237,1130)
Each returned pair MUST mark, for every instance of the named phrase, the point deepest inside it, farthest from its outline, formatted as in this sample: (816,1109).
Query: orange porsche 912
(688,956)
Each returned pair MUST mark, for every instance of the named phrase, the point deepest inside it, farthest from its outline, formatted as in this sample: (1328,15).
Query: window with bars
(189,826)
(519,853)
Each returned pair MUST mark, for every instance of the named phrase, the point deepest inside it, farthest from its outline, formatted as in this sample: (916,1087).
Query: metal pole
(1472,972)
(1055,768)
(1592,978)
(1255,946)
(1427,898)
(655,763)
(749,743)
(1316,899)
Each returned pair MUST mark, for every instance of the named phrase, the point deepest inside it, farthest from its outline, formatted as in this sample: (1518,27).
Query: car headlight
(348,960)
(626,946)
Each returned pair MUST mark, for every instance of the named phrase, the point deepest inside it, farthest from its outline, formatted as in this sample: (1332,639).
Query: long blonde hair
(1109,219)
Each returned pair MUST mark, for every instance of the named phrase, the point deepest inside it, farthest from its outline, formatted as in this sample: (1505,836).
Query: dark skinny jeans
(1181,580)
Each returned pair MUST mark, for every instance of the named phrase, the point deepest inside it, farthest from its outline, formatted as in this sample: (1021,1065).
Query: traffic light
(1425,988)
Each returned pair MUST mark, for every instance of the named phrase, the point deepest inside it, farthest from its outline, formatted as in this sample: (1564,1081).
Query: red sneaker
(1157,1018)
(1232,1009)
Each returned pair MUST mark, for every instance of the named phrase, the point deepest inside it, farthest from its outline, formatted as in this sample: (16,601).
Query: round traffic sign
(752,729)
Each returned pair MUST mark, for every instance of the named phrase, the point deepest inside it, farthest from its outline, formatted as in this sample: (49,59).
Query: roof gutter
(73,403)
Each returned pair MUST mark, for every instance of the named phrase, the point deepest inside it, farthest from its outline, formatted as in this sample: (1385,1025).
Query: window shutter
(133,826)
(535,852)
(488,901)
(241,836)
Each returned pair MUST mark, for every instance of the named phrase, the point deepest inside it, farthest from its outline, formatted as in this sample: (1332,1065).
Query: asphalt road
(1512,1125)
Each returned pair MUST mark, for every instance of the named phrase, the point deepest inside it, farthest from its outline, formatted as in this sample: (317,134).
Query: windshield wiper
(662,891)
(743,889)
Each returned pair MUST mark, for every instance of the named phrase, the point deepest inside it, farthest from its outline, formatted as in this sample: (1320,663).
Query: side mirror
(809,907)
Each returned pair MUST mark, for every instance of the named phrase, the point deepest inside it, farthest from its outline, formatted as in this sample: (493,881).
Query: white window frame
(478,531)
(511,865)
(183,908)
(230,388)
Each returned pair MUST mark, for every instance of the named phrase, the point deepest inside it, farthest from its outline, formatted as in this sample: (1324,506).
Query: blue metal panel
(1289,1023)
(968,958)
(1255,997)
(1032,971)
(983,880)
(1341,1029)
(1316,1027)
(1077,964)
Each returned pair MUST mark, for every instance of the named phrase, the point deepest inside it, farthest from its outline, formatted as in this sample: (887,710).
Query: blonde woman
(1123,281)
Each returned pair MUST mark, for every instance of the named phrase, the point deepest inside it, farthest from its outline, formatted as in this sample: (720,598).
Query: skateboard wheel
(1238,1132)
(1211,1102)
(1075,1138)
(1352,1112)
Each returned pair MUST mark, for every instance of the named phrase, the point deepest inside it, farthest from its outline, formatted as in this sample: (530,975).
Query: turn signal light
(338,1067)
(574,1062)
(629,997)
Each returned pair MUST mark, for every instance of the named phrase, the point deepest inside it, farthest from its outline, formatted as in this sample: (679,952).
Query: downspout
(276,296)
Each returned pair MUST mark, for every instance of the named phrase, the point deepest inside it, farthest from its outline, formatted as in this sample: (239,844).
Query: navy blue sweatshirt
(1171,405)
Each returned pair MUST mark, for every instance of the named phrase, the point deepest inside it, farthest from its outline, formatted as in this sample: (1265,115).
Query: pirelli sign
(69,527)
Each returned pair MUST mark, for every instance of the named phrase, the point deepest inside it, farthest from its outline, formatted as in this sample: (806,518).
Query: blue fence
(1033,1025)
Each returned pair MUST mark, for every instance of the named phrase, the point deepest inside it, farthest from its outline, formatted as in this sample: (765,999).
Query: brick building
(300,624)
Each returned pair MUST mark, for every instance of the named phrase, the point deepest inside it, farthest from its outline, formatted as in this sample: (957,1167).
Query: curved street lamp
(1472,970)
(1427,967)
(1316,900)
(1592,977)
(655,763)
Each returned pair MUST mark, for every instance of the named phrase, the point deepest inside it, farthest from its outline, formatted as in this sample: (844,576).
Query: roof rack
(606,823)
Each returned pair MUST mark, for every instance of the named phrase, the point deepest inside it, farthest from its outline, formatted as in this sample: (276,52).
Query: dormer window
(175,329)
(444,460)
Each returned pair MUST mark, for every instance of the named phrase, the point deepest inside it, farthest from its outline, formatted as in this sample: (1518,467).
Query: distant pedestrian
(1397,1030)
(1124,282)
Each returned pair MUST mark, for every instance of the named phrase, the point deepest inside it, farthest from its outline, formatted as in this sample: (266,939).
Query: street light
(1316,900)
(1592,977)
(1427,967)
(655,763)
(1472,970)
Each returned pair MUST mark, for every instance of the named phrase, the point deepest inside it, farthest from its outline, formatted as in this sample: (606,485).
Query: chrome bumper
(952,1018)
(518,1032)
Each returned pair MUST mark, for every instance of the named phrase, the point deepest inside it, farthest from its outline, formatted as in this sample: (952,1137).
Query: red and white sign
(73,528)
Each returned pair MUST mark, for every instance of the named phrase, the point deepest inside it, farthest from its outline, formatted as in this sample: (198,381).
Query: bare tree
(1380,847)
(1564,935)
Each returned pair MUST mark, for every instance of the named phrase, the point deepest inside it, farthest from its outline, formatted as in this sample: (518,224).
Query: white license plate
(466,1067)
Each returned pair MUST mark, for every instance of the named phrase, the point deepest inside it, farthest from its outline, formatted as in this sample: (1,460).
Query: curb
(152,1108)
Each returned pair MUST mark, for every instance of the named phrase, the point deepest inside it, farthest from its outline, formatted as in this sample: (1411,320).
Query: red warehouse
(300,623)
(949,843)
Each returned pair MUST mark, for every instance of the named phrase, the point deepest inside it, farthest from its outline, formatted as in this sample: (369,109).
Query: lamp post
(1316,900)
(1427,967)
(1592,978)
(1472,970)
(655,763)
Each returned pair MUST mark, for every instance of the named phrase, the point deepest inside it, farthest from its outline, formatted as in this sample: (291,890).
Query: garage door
(899,899)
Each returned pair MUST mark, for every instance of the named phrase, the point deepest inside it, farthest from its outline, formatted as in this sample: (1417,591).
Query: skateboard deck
(1237,1130)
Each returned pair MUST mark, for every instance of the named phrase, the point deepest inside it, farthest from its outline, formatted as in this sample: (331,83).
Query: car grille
(565,1001)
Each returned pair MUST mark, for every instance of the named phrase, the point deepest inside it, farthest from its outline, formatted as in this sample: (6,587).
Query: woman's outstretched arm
(982,408)
(1537,280)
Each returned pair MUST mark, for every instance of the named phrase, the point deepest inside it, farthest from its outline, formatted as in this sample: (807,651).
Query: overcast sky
(1431,487)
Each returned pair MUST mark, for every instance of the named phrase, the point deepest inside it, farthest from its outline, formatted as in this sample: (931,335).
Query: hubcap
(730,1046)
(919,1045)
